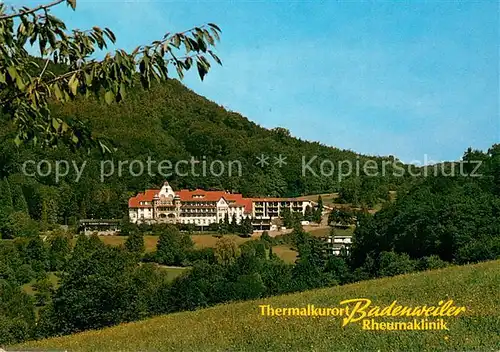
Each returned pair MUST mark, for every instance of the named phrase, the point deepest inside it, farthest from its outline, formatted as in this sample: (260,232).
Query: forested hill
(172,123)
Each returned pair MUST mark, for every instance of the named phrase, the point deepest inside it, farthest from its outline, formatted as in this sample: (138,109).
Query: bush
(135,243)
(127,228)
(24,274)
(149,257)
(391,264)
(172,245)
(203,254)
(265,237)
(59,251)
(17,314)
(226,251)
(485,248)
(43,291)
(430,263)
(249,287)
(19,224)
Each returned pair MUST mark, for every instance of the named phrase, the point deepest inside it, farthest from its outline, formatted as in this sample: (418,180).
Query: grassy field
(28,288)
(287,254)
(241,327)
(204,241)
(173,271)
(328,198)
(324,231)
(200,241)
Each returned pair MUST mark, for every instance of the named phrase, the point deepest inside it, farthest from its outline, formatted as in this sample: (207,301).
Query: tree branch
(35,9)
(45,67)
(70,73)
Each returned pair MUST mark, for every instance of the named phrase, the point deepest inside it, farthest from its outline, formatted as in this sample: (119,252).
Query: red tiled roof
(207,196)
(186,195)
(248,205)
(235,199)
(147,196)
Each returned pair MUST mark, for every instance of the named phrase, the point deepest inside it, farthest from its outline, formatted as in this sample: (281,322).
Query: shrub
(19,224)
(431,262)
(172,246)
(226,251)
(265,237)
(391,264)
(24,274)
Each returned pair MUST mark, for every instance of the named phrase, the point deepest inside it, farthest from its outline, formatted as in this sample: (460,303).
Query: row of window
(203,210)
(275,204)
(184,215)
(198,221)
(198,204)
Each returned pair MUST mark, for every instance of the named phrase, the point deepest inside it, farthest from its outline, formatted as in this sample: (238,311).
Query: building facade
(336,243)
(271,208)
(202,208)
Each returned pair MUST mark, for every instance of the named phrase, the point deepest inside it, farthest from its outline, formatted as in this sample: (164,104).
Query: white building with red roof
(202,208)
(198,207)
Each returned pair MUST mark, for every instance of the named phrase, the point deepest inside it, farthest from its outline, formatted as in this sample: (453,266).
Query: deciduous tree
(68,68)
(226,251)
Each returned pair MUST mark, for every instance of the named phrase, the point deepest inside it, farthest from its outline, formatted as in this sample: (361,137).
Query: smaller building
(271,208)
(336,243)
(101,226)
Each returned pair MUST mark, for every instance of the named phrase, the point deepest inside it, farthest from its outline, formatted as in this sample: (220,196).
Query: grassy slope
(239,326)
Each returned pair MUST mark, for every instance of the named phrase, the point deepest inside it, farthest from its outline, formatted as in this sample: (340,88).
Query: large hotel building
(202,208)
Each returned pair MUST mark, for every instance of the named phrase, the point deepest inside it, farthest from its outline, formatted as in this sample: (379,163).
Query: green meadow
(241,327)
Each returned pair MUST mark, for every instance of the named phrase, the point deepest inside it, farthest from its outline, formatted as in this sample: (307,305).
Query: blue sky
(404,78)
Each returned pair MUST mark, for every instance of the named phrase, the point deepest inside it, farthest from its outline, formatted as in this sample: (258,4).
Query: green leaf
(201,70)
(176,41)
(73,84)
(209,38)
(216,34)
(55,124)
(52,39)
(12,72)
(71,3)
(20,83)
(88,79)
(57,92)
(201,44)
(109,97)
(215,57)
(214,26)
(123,90)
(110,34)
